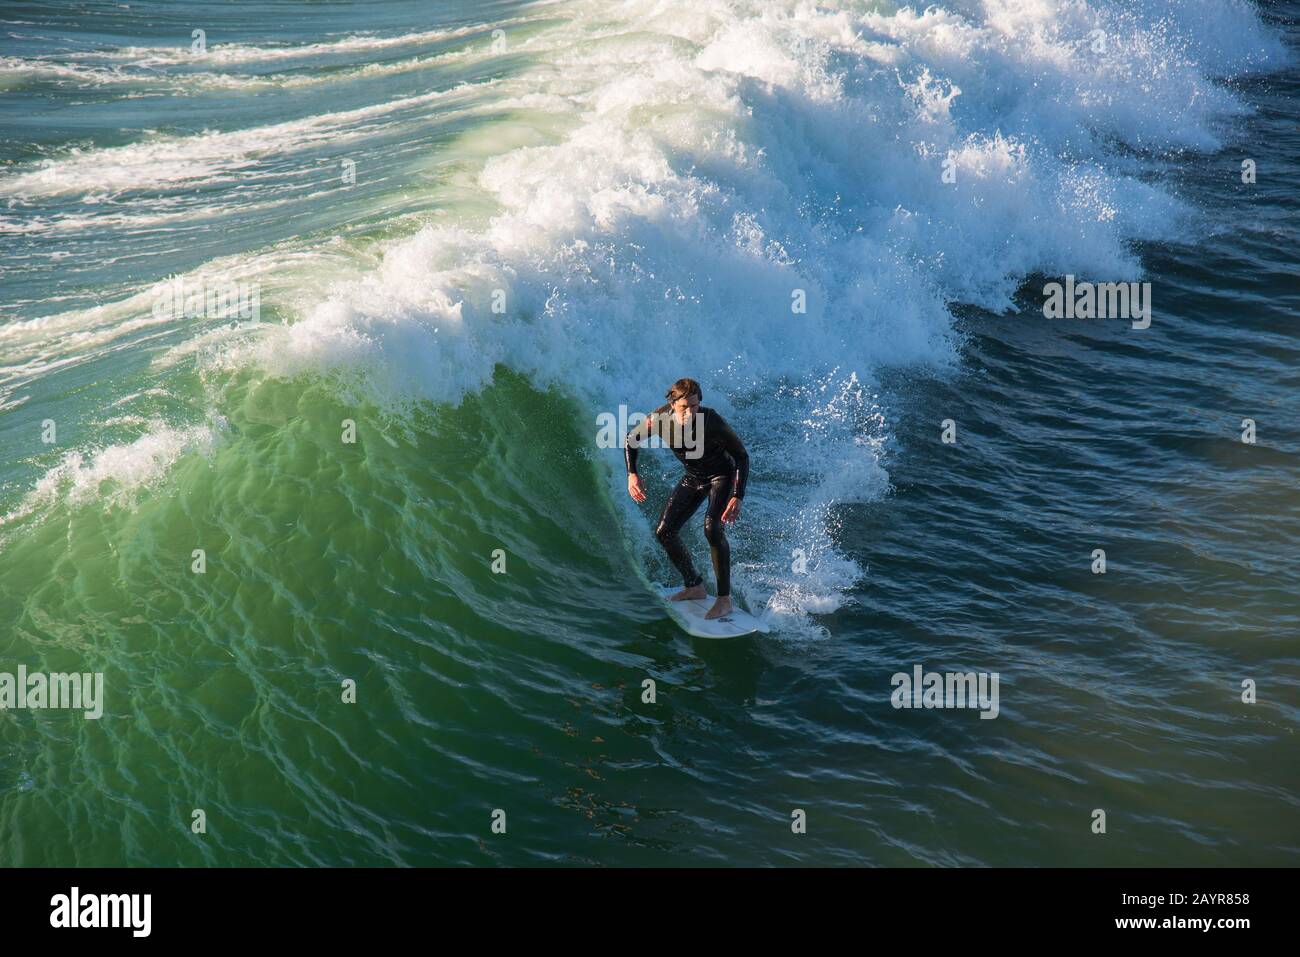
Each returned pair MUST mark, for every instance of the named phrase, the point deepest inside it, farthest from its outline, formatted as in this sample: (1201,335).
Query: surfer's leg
(681,505)
(719,547)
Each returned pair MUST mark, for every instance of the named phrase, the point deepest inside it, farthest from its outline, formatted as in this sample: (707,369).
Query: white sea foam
(16,72)
(116,473)
(200,160)
(219,53)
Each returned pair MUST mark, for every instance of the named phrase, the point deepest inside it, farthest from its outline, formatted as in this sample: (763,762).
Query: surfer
(717,467)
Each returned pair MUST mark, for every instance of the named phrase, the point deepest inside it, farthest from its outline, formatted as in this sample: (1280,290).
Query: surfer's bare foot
(720,607)
(686,594)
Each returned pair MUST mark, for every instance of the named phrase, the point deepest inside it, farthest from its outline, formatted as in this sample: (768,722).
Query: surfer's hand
(634,488)
(731,512)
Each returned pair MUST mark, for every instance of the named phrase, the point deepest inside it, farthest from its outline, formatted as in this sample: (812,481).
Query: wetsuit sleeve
(736,449)
(632,445)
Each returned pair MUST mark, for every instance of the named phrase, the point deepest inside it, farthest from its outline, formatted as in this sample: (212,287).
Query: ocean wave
(230,54)
(116,473)
(777,143)
(720,162)
(726,156)
(203,159)
(154,74)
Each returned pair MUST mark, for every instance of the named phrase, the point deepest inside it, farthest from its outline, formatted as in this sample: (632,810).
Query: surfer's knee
(663,533)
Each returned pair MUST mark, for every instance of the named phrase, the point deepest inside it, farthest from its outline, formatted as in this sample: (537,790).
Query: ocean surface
(471,230)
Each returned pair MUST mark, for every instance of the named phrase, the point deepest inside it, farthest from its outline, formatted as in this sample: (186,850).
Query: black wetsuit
(717,469)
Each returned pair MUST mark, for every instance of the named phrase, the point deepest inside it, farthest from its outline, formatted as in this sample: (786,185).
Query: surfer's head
(684,398)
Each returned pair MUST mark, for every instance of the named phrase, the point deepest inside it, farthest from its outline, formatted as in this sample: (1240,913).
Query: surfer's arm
(631,448)
(632,442)
(736,449)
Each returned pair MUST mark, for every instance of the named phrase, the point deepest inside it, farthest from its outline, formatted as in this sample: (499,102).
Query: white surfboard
(690,616)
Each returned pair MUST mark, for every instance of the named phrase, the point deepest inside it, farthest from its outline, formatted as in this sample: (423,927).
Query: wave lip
(114,474)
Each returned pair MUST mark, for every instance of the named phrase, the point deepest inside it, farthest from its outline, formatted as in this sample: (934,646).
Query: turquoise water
(640,188)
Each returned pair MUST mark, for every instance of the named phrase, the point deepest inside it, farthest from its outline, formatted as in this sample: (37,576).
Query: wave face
(555,210)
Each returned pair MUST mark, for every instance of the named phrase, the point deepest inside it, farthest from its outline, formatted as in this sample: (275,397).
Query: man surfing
(717,468)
